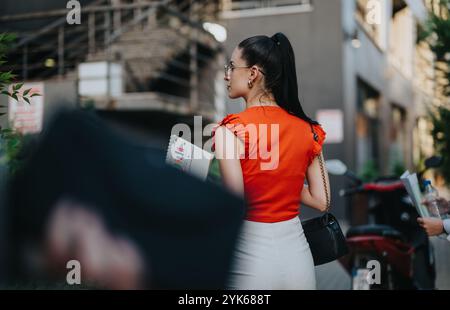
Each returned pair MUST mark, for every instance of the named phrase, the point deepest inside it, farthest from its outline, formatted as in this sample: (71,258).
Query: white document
(188,157)
(412,187)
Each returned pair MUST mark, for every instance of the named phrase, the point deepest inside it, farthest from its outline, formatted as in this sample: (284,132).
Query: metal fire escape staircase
(166,56)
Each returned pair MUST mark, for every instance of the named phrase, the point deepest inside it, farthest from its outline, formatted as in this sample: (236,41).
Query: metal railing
(58,48)
(236,5)
(103,23)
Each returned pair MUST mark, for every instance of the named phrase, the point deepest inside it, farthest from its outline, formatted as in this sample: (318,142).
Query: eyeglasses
(232,67)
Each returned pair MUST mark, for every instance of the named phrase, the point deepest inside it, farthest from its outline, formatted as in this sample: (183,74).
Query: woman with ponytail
(265,154)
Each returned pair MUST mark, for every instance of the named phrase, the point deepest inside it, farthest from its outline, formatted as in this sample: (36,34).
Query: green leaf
(8,73)
(6,76)
(15,97)
(14,142)
(26,99)
(26,92)
(36,94)
(1,114)
(18,86)
(4,92)
(7,37)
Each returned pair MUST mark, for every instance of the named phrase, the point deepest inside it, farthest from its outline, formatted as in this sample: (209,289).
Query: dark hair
(276,58)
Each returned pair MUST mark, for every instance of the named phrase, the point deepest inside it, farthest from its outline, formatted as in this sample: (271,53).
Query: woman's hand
(432,226)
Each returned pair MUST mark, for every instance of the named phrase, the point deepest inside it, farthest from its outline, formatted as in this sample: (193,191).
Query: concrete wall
(370,63)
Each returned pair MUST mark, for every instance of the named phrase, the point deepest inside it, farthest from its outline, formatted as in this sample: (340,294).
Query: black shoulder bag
(324,235)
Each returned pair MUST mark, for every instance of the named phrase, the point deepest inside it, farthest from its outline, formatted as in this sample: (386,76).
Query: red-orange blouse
(274,171)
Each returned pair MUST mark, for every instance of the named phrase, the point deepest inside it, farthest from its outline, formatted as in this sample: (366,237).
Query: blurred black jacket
(185,228)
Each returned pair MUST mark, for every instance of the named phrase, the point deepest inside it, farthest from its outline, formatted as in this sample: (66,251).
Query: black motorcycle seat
(377,230)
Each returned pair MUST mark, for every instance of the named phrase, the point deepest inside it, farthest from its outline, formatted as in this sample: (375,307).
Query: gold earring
(250,84)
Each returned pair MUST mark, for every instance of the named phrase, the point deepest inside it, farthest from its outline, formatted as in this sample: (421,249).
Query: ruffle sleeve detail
(234,123)
(230,119)
(317,145)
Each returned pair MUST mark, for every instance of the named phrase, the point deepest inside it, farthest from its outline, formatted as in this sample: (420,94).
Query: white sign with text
(27,117)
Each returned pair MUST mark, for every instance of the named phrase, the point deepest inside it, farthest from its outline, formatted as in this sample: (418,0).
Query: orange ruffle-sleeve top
(279,147)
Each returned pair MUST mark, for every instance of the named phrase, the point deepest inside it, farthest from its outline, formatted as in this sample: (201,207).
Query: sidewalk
(442,254)
(333,276)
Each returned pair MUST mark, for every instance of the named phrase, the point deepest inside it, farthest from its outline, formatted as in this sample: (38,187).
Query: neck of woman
(260,100)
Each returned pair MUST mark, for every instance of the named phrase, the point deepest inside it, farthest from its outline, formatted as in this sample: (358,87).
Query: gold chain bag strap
(322,170)
(325,238)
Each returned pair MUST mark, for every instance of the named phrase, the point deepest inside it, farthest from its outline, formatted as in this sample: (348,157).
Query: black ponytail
(276,58)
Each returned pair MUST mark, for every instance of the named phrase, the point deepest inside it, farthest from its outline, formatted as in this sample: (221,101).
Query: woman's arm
(313,195)
(228,147)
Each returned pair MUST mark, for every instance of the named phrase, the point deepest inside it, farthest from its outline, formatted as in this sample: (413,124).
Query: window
(401,39)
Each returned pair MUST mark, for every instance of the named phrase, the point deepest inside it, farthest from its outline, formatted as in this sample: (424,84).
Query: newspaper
(412,187)
(188,157)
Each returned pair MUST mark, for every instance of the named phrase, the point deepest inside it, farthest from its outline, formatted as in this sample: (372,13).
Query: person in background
(435,226)
(90,194)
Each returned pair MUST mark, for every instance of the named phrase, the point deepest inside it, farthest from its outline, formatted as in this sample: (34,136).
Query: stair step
(153,101)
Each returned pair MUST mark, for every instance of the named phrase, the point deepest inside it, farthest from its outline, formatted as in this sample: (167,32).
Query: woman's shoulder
(233,119)
(319,136)
(314,130)
(309,127)
(232,122)
(254,115)
(319,133)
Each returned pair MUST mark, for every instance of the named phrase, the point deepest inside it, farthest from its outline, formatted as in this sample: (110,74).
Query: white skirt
(272,256)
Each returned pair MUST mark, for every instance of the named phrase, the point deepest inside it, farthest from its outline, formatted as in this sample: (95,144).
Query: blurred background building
(145,65)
